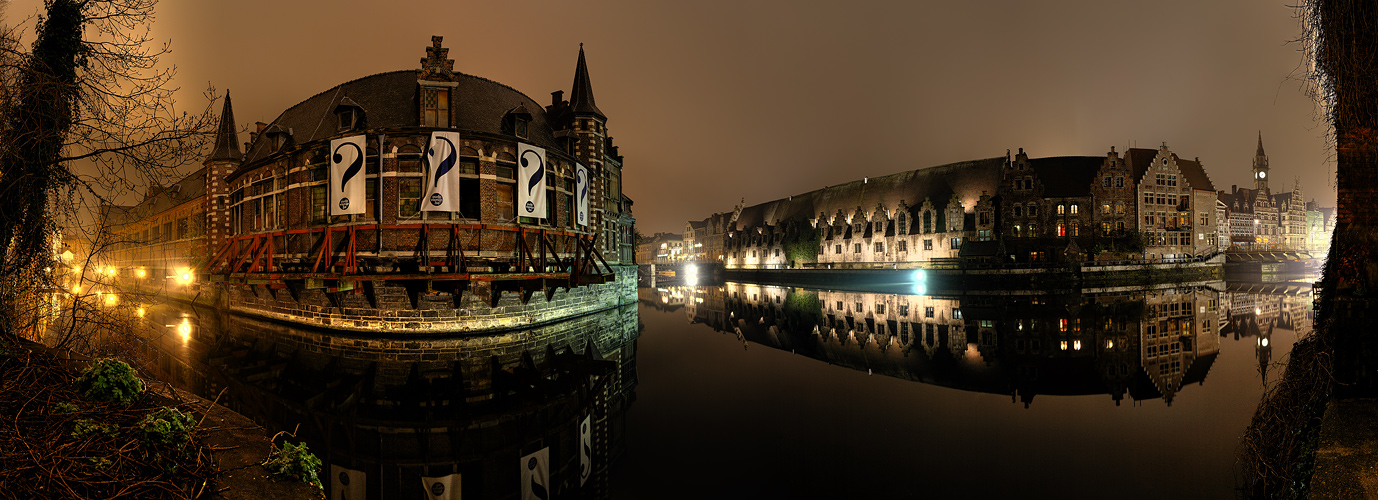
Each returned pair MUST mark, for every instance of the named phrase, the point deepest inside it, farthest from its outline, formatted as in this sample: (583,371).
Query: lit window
(1061,209)
(436,108)
(927,244)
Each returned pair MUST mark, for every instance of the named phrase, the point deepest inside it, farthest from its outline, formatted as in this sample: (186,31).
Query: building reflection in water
(384,414)
(1141,344)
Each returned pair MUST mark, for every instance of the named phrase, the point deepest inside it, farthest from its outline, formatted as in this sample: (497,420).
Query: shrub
(166,427)
(85,427)
(163,433)
(294,461)
(65,407)
(109,379)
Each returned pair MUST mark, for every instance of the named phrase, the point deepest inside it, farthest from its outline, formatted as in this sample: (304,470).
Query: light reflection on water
(1131,394)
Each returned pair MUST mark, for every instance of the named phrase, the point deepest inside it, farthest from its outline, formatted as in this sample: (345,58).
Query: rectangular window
(928,312)
(408,196)
(902,246)
(506,201)
(839,306)
(880,247)
(318,211)
(1105,209)
(956,313)
(1119,182)
(1074,209)
(506,172)
(436,108)
(468,198)
(858,307)
(1061,209)
(1105,181)
(371,198)
(904,309)
(880,308)
(270,218)
(856,248)
(927,244)
(955,243)
(837,249)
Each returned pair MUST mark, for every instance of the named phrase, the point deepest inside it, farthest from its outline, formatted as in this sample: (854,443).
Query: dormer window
(346,118)
(350,114)
(435,108)
(519,127)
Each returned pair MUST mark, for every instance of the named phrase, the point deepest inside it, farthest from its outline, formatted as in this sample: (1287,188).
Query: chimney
(260,126)
(557,97)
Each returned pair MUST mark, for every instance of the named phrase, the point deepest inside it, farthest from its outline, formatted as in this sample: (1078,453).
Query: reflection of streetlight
(140,312)
(141,273)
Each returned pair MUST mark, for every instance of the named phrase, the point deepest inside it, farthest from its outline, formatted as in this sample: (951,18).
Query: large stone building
(1149,204)
(1259,219)
(263,217)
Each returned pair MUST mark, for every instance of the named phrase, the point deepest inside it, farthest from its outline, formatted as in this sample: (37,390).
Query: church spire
(1260,144)
(581,96)
(226,137)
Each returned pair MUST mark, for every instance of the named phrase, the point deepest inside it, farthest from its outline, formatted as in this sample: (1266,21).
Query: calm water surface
(740,397)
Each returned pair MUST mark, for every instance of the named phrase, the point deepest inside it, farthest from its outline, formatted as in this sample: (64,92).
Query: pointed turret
(226,137)
(581,96)
(1260,144)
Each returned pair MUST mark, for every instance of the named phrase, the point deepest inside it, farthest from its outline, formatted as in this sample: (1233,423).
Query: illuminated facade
(1259,219)
(1148,205)
(267,217)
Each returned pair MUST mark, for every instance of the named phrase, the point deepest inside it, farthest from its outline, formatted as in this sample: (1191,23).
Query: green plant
(109,379)
(85,427)
(294,460)
(65,407)
(163,433)
(100,463)
(166,426)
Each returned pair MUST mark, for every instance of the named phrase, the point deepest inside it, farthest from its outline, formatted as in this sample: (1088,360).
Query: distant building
(1262,220)
(1149,204)
(663,248)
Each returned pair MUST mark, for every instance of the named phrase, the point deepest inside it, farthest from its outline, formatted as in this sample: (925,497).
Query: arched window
(1018,210)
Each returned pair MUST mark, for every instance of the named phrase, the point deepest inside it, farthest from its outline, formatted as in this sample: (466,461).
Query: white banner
(536,475)
(581,195)
(442,180)
(441,488)
(531,174)
(347,176)
(585,449)
(347,484)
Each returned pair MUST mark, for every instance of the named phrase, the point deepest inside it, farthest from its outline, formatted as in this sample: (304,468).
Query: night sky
(712,102)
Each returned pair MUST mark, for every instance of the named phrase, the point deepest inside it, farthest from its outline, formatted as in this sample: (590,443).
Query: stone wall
(384,307)
(609,330)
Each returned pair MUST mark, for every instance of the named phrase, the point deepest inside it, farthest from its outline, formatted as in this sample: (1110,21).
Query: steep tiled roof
(391,103)
(1195,175)
(1066,176)
(191,187)
(1138,159)
(968,179)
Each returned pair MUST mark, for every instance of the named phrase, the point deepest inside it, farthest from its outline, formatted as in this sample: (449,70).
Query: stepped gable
(968,179)
(1194,173)
(1066,176)
(389,101)
(1138,159)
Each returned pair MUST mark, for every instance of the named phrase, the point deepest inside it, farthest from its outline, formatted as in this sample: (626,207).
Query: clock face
(1262,175)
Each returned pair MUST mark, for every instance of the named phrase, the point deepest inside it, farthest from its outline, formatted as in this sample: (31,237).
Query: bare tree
(86,115)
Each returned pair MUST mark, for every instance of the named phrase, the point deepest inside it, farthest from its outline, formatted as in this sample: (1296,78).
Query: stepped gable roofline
(1195,174)
(1138,160)
(390,101)
(1066,176)
(226,136)
(938,183)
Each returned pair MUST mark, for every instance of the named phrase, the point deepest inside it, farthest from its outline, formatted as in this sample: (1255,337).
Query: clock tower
(1260,166)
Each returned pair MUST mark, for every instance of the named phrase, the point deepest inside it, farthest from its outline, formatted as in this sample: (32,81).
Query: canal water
(752,391)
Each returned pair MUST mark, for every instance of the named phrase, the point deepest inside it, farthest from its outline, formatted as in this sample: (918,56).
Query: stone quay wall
(386,308)
(609,331)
